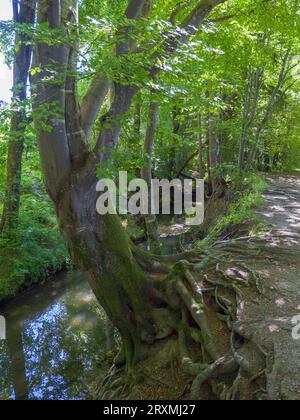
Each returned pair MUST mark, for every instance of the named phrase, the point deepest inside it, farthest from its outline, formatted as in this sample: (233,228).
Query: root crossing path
(267,320)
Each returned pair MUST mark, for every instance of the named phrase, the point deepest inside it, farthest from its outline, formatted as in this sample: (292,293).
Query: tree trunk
(136,138)
(282,78)
(212,144)
(175,131)
(24,13)
(151,219)
(200,143)
(247,104)
(98,245)
(250,110)
(100,248)
(213,157)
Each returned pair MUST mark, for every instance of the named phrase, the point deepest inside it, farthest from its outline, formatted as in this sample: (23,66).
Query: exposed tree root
(199,297)
(161,263)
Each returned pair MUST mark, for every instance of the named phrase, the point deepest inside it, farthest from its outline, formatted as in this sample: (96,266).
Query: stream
(55,337)
(55,341)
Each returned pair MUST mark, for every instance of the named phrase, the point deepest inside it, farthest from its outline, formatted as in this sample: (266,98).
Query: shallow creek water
(55,341)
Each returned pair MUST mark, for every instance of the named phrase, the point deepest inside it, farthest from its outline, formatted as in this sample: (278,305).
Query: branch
(99,87)
(108,138)
(186,162)
(134,9)
(92,102)
(179,9)
(190,25)
(287,88)
(76,136)
(222,19)
(112,121)
(203,4)
(50,96)
(15,10)
(270,106)
(199,13)
(280,83)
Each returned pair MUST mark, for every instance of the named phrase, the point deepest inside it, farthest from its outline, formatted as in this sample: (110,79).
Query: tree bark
(135,139)
(151,223)
(212,154)
(175,131)
(213,159)
(200,143)
(24,13)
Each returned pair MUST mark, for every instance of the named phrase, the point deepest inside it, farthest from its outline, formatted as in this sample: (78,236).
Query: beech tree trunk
(24,13)
(98,245)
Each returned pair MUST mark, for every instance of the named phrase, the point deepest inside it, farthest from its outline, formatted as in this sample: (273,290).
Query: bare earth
(267,320)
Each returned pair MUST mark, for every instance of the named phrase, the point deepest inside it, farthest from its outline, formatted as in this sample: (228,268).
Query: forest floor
(267,319)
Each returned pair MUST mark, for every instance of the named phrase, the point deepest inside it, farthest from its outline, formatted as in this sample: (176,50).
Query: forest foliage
(234,84)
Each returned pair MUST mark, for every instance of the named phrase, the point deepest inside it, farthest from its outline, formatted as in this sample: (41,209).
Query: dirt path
(267,320)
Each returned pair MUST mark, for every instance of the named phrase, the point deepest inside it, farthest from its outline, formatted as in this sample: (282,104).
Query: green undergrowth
(240,215)
(37,252)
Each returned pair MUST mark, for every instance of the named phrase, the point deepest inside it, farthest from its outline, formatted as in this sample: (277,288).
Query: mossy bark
(100,248)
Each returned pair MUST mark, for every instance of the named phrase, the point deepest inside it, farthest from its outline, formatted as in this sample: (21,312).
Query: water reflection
(55,342)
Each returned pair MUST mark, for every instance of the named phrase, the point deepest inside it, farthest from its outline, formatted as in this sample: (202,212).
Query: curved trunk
(101,249)
(98,245)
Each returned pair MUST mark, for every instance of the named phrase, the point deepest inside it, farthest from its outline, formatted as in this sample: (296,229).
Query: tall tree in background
(278,91)
(23,13)
(151,223)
